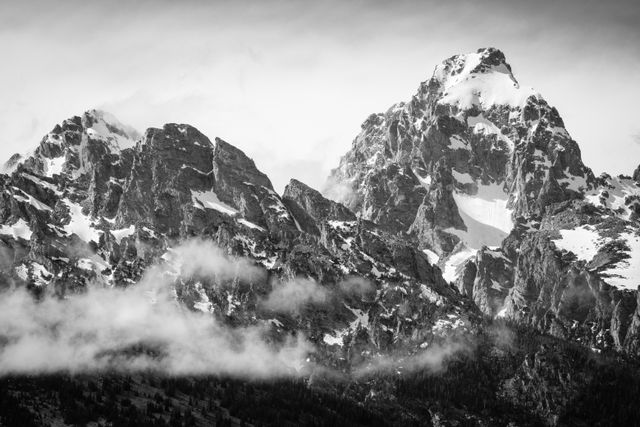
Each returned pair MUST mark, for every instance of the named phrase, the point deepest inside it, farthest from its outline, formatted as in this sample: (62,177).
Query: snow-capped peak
(460,66)
(482,78)
(73,135)
(103,125)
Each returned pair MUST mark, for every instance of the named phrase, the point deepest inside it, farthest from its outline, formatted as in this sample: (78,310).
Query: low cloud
(142,327)
(339,191)
(291,296)
(501,335)
(202,258)
(433,358)
(357,286)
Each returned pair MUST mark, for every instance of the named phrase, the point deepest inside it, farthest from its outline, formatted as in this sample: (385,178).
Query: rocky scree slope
(481,174)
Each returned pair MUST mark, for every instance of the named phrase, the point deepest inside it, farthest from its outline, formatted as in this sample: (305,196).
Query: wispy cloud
(357,286)
(292,295)
(144,327)
(432,358)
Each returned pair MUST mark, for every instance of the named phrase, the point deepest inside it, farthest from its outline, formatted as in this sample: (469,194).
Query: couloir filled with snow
(487,219)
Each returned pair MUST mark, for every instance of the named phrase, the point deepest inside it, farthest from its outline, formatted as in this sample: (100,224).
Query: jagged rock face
(572,275)
(78,145)
(469,128)
(488,181)
(243,186)
(168,165)
(176,171)
(487,279)
(311,208)
(85,211)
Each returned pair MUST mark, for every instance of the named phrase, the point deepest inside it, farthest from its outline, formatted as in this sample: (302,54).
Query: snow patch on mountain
(20,230)
(41,276)
(583,241)
(457,143)
(431,256)
(454,264)
(54,166)
(424,180)
(81,224)
(462,178)
(481,125)
(122,233)
(488,222)
(361,321)
(575,183)
(250,224)
(487,206)
(614,195)
(486,216)
(209,199)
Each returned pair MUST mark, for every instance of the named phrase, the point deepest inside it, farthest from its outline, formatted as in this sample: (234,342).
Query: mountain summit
(482,79)
(470,153)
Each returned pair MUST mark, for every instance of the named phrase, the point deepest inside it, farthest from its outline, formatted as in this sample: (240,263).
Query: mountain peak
(103,125)
(76,142)
(469,154)
(483,60)
(482,79)
(492,57)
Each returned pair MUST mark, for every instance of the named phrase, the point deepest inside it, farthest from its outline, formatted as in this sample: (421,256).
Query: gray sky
(290,82)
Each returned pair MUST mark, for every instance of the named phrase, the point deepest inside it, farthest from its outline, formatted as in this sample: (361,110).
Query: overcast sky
(290,82)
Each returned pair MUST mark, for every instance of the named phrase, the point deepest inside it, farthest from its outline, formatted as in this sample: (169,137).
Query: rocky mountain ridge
(83,212)
(465,206)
